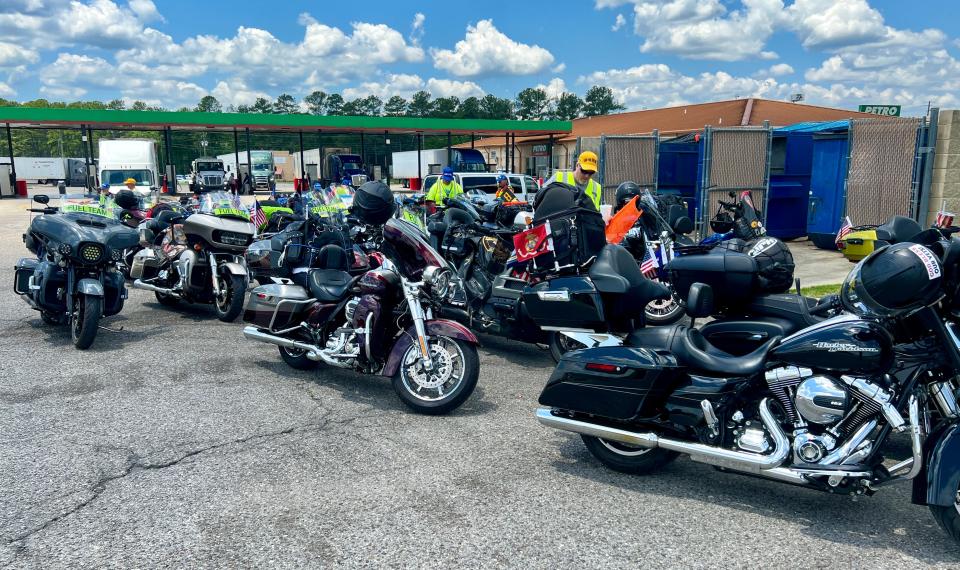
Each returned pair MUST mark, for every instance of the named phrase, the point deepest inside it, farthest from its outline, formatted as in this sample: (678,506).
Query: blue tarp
(814,127)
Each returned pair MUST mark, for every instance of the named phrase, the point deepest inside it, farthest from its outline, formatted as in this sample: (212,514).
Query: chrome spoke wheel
(447,373)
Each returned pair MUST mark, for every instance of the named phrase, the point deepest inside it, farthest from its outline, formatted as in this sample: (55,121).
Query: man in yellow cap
(582,177)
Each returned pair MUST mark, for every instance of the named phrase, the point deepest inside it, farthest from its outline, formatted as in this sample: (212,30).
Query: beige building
(945,182)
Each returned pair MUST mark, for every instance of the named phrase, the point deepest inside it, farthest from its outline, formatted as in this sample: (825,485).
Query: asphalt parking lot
(176,442)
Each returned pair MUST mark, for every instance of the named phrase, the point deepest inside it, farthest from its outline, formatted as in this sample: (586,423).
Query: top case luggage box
(731,275)
(620,382)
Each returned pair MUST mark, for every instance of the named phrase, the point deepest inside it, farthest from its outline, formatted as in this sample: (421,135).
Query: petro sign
(885,110)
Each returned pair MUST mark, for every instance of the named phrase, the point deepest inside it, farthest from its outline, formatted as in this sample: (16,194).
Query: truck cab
(120,159)
(207,174)
(340,166)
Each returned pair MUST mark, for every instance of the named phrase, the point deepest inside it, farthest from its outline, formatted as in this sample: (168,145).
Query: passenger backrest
(700,301)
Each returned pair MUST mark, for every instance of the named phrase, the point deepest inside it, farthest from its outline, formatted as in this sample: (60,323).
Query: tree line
(530,104)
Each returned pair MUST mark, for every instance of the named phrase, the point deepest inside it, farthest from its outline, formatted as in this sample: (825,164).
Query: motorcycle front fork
(411,292)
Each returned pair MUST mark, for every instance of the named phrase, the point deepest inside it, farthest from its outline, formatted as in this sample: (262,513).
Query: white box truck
(263,166)
(433,160)
(120,159)
(49,170)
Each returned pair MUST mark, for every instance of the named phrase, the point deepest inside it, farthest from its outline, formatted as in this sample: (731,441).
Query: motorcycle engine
(822,400)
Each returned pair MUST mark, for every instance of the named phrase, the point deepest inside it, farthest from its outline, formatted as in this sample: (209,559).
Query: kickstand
(110,329)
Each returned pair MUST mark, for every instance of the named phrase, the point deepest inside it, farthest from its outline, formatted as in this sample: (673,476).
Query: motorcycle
(814,409)
(198,259)
(379,323)
(74,277)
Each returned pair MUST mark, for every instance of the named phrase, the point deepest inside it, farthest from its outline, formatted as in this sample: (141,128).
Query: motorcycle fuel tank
(844,344)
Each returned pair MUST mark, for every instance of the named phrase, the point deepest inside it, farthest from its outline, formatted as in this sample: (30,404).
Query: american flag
(258,218)
(649,264)
(845,228)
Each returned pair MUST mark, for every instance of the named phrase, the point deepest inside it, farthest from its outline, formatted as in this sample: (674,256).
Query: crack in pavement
(136,464)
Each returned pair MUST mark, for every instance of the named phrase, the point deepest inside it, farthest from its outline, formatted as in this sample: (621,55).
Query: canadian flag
(533,242)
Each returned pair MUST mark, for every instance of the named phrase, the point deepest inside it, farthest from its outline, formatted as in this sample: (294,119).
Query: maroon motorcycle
(381,322)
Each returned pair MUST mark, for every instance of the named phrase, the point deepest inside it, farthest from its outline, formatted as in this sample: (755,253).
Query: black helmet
(893,281)
(127,200)
(373,203)
(721,223)
(625,192)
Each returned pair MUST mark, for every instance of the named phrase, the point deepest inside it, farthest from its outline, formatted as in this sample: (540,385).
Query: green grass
(818,291)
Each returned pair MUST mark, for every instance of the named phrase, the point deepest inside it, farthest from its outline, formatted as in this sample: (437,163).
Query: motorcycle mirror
(41,199)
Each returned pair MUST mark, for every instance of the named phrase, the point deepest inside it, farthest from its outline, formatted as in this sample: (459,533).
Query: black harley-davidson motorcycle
(382,322)
(198,258)
(815,409)
(74,278)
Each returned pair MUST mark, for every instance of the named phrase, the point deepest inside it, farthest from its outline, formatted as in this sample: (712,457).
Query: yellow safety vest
(438,192)
(593,190)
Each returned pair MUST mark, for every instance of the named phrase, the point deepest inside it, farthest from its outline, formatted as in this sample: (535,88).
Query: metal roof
(815,127)
(156,120)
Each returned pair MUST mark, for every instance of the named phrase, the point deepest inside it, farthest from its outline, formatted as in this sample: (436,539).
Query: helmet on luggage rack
(625,192)
(893,281)
(374,203)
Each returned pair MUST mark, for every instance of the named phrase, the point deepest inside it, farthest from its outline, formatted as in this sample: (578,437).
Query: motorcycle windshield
(325,204)
(405,246)
(101,206)
(223,205)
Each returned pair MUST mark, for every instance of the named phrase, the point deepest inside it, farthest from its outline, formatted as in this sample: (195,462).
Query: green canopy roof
(149,120)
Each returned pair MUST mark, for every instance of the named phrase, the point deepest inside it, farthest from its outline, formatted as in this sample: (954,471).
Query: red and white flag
(845,228)
(649,264)
(533,242)
(258,218)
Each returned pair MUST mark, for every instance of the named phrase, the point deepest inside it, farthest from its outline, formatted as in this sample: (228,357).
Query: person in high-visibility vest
(582,177)
(443,189)
(504,191)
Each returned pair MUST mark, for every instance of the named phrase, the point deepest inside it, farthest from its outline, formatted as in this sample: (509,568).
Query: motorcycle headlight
(91,253)
(116,255)
(438,279)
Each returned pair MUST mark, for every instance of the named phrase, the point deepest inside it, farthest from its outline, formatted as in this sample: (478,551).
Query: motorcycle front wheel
(949,517)
(84,324)
(626,458)
(229,303)
(456,368)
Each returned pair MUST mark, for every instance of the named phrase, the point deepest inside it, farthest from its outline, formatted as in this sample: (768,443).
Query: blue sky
(650,52)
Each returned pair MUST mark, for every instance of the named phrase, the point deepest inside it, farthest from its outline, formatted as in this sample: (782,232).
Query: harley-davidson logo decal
(844,347)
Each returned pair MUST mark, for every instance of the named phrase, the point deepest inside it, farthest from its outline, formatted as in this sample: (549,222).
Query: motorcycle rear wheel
(165,300)
(456,373)
(560,344)
(84,324)
(628,459)
(949,518)
(296,358)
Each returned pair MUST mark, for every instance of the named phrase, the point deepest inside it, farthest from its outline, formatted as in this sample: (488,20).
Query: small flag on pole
(258,218)
(649,264)
(845,228)
(533,242)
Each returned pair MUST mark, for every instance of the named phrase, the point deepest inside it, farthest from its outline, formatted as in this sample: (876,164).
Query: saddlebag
(565,303)
(23,271)
(275,307)
(620,383)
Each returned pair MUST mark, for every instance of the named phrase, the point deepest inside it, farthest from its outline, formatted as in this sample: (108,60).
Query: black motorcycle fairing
(939,480)
(76,228)
(692,350)
(620,383)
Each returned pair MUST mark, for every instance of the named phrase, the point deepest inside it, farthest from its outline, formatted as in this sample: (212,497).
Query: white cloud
(145,10)
(416,29)
(402,84)
(779,69)
(453,88)
(6,90)
(704,30)
(487,51)
(12,55)
(618,23)
(559,68)
(554,88)
(657,85)
(235,92)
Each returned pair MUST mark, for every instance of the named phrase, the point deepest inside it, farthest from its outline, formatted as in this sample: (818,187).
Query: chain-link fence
(881,181)
(734,159)
(628,158)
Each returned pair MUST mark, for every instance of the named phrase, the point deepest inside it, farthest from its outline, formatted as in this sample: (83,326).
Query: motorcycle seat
(692,350)
(898,229)
(330,282)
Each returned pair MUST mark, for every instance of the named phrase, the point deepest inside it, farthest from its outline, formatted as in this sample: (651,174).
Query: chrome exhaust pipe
(139,284)
(313,352)
(736,460)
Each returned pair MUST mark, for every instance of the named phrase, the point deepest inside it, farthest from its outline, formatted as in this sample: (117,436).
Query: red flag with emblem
(533,242)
